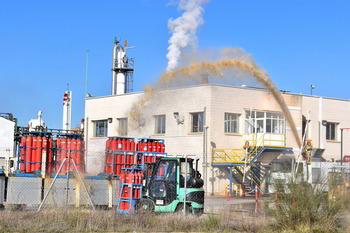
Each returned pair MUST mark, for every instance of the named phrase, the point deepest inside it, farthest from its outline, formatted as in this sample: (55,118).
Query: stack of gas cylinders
(35,152)
(132,163)
(122,153)
(150,145)
(131,190)
(72,148)
(40,152)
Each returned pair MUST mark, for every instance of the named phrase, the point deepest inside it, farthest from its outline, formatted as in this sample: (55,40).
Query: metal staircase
(243,164)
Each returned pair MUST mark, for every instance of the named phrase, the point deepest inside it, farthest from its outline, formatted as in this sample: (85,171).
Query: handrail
(264,139)
(242,156)
(228,155)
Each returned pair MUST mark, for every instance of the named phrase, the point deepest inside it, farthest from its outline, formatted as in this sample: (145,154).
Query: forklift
(165,187)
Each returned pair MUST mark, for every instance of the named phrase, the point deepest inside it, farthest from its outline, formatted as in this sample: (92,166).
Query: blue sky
(43,46)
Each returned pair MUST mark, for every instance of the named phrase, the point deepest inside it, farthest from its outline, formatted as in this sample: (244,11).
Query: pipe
(185,188)
(341,147)
(205,162)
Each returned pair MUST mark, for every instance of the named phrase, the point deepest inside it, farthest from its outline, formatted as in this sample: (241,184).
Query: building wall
(237,100)
(179,139)
(331,110)
(6,137)
(228,99)
(216,100)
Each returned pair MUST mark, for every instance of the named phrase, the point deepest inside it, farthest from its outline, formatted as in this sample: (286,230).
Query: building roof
(223,85)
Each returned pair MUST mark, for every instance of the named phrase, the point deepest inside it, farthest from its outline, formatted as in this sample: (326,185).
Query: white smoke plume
(184,29)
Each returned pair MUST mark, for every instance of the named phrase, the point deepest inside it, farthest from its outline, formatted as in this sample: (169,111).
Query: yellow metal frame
(261,141)
(230,155)
(233,155)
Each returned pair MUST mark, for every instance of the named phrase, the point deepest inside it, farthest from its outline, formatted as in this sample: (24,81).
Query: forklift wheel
(180,209)
(145,205)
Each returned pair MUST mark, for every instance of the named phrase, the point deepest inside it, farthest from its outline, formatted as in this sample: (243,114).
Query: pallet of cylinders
(70,154)
(120,153)
(148,150)
(36,155)
(130,190)
(132,177)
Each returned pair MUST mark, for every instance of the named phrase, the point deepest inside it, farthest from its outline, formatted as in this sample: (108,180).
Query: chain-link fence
(127,181)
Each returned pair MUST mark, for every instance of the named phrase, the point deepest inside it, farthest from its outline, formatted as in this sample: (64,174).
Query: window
(274,122)
(331,129)
(101,128)
(197,122)
(167,170)
(264,122)
(231,123)
(159,124)
(123,126)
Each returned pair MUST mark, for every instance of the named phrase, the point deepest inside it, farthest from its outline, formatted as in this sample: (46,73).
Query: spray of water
(193,72)
(184,29)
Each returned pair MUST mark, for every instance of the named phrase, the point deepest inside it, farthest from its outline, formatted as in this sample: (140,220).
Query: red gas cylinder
(123,160)
(154,149)
(138,147)
(74,153)
(127,145)
(118,159)
(132,148)
(149,146)
(128,155)
(44,154)
(113,156)
(64,154)
(124,144)
(131,178)
(22,153)
(28,158)
(145,148)
(69,154)
(154,146)
(159,147)
(105,170)
(122,178)
(132,145)
(122,181)
(58,154)
(78,160)
(138,188)
(39,142)
(150,149)
(33,160)
(161,171)
(49,156)
(82,156)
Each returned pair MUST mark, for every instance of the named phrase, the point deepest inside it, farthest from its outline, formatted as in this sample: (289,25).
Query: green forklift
(166,183)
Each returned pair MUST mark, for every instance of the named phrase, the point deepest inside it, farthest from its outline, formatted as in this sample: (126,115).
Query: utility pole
(341,147)
(86,72)
(312,87)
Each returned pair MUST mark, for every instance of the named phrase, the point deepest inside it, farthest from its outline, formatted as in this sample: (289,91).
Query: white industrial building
(181,115)
(7,129)
(213,122)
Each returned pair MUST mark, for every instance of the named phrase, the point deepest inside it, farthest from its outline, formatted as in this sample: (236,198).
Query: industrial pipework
(122,68)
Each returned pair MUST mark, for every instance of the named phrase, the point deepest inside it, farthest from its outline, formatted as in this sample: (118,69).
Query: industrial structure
(67,110)
(122,68)
(233,134)
(215,121)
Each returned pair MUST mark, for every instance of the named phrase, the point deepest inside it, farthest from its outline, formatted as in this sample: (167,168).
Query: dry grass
(109,221)
(302,208)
